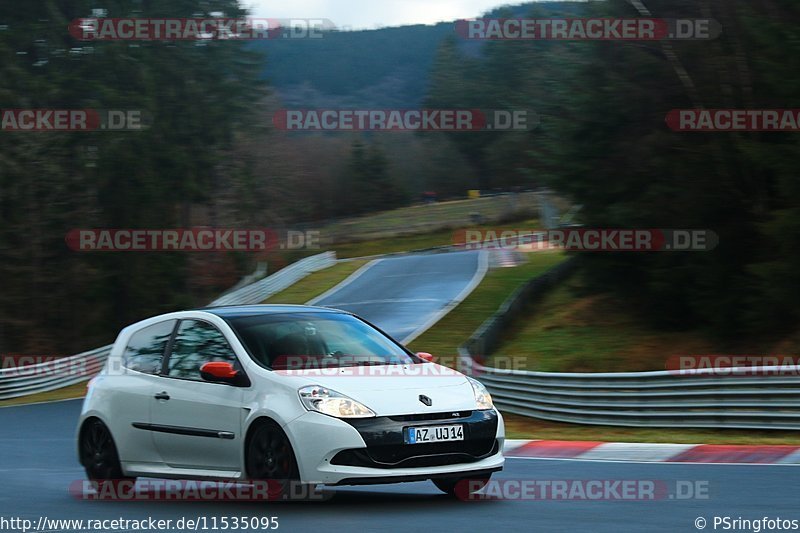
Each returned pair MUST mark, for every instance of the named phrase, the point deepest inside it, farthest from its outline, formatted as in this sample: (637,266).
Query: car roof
(240,311)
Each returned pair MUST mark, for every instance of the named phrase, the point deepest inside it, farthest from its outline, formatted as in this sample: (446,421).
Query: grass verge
(67,393)
(519,427)
(448,334)
(393,245)
(317,283)
(570,332)
(406,243)
(427,218)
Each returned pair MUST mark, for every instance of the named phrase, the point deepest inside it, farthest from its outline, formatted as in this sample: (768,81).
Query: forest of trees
(604,144)
(54,300)
(212,158)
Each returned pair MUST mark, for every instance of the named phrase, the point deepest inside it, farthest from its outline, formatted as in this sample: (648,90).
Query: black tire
(462,487)
(270,458)
(98,454)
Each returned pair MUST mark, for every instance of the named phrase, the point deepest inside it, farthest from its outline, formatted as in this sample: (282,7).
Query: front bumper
(372,450)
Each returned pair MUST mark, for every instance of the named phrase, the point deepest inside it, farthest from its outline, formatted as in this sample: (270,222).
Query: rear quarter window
(145,350)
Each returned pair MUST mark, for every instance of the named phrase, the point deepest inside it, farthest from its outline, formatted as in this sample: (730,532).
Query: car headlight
(482,396)
(332,403)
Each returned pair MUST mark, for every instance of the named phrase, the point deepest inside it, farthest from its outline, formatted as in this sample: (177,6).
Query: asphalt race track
(405,295)
(38,465)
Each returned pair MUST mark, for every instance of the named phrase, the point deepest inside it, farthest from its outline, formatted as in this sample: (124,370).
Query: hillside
(383,67)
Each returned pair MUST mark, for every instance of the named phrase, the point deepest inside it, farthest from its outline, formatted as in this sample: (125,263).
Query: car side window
(145,349)
(197,343)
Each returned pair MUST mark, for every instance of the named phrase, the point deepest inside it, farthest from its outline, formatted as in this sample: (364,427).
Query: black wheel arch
(251,430)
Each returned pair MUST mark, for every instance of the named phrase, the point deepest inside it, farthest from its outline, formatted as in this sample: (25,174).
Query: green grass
(392,245)
(316,284)
(67,393)
(430,218)
(518,427)
(406,243)
(571,333)
(456,327)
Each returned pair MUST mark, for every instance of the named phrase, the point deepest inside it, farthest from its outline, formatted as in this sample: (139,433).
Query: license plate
(434,434)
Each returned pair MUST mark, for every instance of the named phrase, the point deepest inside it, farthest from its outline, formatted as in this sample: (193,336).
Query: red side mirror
(219,371)
(425,357)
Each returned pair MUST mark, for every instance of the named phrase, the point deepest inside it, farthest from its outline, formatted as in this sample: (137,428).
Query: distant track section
(406,295)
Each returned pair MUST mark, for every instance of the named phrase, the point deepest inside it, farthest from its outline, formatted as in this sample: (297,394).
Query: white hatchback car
(287,393)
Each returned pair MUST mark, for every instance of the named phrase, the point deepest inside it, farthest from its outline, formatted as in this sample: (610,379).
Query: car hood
(396,389)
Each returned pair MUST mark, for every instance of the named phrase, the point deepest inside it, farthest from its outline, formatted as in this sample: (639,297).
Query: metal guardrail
(490,334)
(56,374)
(261,290)
(745,398)
(51,375)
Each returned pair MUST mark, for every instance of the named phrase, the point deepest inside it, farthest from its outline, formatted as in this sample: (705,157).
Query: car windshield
(295,341)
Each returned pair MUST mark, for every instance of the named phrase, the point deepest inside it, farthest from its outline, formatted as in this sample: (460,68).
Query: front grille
(450,415)
(386,448)
(418,455)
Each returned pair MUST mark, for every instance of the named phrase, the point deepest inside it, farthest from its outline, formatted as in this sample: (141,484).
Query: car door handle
(162,396)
